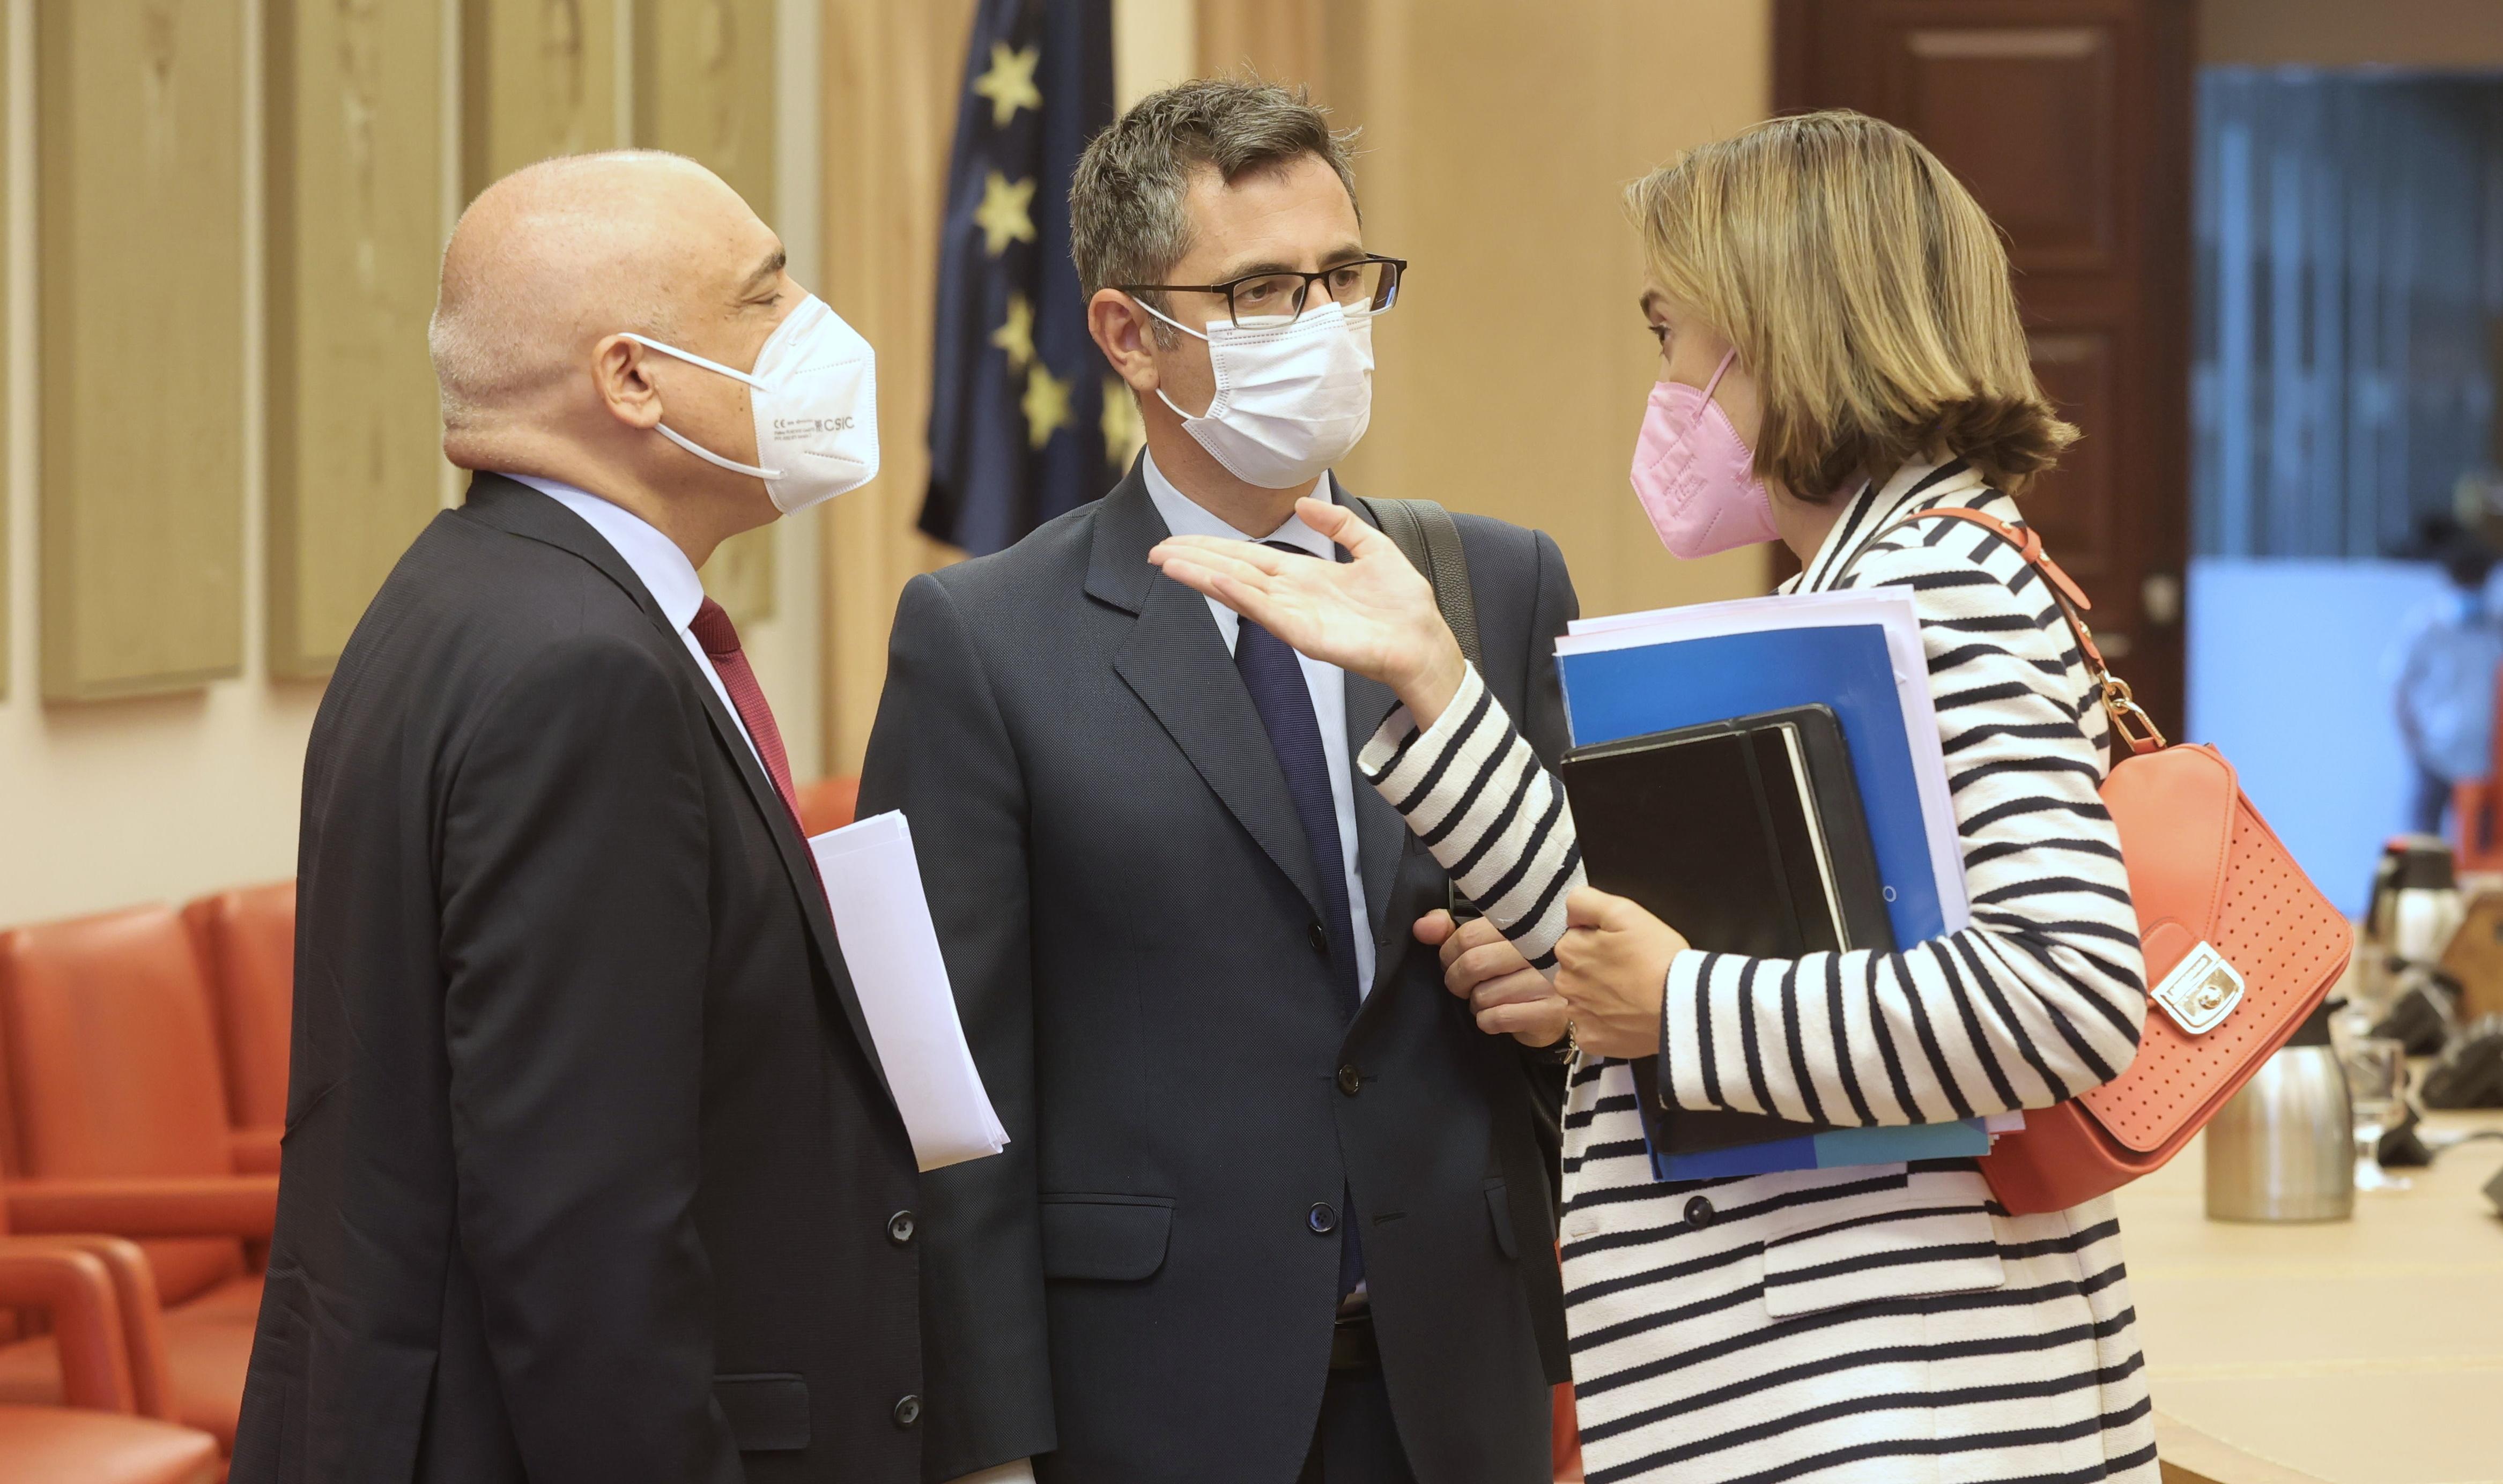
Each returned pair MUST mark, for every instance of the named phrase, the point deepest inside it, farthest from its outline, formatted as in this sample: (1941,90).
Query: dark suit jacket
(1130,918)
(588,1175)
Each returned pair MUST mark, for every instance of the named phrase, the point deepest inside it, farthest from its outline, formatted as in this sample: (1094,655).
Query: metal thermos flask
(2284,1148)
(2414,910)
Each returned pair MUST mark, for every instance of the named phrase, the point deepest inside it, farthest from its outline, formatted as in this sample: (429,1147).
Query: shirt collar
(1874,507)
(658,561)
(1186,516)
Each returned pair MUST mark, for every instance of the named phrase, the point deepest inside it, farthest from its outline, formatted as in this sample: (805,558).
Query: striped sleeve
(1477,798)
(2040,997)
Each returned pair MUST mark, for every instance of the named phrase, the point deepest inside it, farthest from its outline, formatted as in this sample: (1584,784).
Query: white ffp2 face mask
(814,394)
(1291,398)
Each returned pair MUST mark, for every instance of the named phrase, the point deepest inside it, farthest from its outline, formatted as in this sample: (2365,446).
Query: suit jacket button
(1350,1081)
(899,1229)
(908,1413)
(1700,1213)
(1322,1218)
(1319,937)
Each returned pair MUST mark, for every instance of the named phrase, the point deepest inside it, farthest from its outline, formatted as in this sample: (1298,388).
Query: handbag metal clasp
(2202,990)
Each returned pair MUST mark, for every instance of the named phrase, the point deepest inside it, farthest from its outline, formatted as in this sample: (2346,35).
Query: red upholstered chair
(828,803)
(246,942)
(1567,1438)
(118,1123)
(112,1429)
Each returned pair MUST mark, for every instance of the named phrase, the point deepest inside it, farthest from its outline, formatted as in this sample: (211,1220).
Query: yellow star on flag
(1010,84)
(1002,216)
(1046,405)
(1015,334)
(1123,429)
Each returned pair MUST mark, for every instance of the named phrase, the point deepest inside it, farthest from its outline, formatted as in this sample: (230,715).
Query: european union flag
(1022,428)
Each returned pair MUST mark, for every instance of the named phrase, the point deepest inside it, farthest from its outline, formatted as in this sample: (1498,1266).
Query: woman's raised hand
(1374,616)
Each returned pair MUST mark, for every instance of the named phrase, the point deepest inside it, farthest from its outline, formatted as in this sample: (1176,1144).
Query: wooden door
(2070,121)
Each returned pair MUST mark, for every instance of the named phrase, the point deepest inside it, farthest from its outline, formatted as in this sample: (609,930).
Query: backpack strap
(1431,539)
(2130,721)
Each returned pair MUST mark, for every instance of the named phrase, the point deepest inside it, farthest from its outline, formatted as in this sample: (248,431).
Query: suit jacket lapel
(797,861)
(517,508)
(1174,661)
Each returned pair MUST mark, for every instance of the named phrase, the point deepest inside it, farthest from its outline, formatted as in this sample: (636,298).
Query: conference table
(2358,1352)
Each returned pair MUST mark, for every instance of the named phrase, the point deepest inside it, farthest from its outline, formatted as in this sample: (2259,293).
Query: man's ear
(1121,328)
(620,375)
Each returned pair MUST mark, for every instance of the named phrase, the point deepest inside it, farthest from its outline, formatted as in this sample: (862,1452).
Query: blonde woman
(1839,348)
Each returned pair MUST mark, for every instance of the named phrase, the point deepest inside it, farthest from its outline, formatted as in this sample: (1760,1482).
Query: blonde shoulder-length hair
(1865,292)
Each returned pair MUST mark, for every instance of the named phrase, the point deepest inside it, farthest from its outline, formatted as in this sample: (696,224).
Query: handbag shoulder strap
(2130,721)
(1431,539)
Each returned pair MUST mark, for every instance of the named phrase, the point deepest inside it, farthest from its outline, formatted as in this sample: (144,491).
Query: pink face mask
(1696,476)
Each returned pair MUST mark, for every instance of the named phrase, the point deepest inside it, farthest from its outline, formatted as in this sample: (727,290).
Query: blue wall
(2290,670)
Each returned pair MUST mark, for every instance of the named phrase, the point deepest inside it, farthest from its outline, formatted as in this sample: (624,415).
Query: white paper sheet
(1891,609)
(891,947)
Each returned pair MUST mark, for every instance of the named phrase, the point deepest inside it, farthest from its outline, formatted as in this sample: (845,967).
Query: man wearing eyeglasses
(1277,1205)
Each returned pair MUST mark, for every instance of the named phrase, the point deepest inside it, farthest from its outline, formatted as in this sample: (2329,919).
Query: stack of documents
(1859,653)
(891,948)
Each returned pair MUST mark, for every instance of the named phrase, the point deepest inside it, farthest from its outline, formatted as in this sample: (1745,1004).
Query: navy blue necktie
(1275,679)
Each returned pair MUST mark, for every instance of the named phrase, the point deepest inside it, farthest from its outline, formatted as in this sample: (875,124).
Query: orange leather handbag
(2240,948)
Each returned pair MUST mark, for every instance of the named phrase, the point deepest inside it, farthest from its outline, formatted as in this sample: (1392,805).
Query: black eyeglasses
(1365,286)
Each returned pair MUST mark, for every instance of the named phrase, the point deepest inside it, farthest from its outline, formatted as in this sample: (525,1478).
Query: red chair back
(112,1068)
(247,939)
(829,803)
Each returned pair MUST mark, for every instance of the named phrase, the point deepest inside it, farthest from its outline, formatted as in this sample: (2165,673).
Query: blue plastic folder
(1611,694)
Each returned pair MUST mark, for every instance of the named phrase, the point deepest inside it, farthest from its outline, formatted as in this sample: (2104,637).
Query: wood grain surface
(704,87)
(538,78)
(354,193)
(140,157)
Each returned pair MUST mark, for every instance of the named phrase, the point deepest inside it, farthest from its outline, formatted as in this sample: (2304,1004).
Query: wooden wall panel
(1285,41)
(704,87)
(2070,121)
(140,134)
(538,77)
(354,193)
(891,80)
(5,75)
(1522,404)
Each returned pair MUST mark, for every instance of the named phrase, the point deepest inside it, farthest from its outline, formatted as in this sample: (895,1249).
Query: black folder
(1747,837)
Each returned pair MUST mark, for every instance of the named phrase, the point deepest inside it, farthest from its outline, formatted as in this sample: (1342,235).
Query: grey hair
(1127,224)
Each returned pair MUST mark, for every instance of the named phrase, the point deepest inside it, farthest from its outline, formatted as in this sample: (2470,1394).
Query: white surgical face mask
(1292,397)
(814,393)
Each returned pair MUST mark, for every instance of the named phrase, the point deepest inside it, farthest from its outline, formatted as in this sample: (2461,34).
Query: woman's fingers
(1612,968)
(1228,557)
(1340,525)
(1475,933)
(1590,907)
(1234,592)
(1246,553)
(1493,961)
(1537,1024)
(1433,927)
(1522,987)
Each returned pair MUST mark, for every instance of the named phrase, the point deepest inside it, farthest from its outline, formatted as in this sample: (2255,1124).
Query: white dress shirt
(1327,683)
(662,569)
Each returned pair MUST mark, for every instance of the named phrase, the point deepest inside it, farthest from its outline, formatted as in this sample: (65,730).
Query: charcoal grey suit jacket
(590,1173)
(1135,1291)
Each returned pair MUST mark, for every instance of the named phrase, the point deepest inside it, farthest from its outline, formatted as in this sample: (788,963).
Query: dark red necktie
(719,638)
